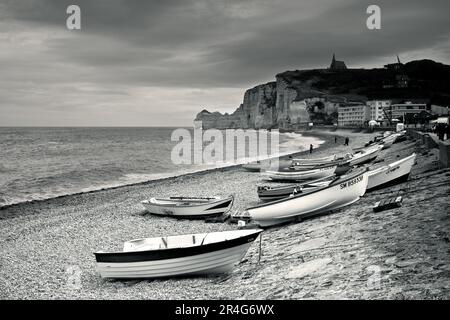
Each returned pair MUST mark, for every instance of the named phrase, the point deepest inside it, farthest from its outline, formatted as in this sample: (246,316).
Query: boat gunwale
(147,202)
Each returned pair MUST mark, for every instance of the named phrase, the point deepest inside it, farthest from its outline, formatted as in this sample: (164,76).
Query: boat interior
(182,201)
(182,241)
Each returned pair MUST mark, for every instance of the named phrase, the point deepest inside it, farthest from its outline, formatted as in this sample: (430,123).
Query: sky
(158,63)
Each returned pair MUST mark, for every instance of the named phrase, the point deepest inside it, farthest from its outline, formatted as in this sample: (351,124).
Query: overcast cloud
(158,63)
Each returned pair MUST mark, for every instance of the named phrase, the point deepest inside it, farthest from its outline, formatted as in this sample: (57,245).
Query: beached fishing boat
(271,193)
(341,192)
(188,207)
(313,161)
(180,255)
(365,155)
(388,141)
(297,175)
(393,173)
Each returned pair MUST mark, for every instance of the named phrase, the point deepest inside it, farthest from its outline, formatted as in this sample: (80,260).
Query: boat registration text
(351,182)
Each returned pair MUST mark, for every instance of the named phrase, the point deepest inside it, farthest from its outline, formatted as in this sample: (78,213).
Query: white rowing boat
(365,155)
(188,207)
(271,193)
(300,161)
(343,191)
(393,173)
(388,141)
(297,175)
(180,255)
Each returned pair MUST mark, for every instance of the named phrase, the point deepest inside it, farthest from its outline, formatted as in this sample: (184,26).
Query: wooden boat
(180,255)
(271,193)
(400,136)
(296,175)
(341,192)
(388,141)
(393,173)
(339,161)
(365,155)
(189,207)
(313,161)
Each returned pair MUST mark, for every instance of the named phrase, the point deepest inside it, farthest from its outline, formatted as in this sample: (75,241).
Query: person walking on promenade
(346,141)
(335,139)
(310,148)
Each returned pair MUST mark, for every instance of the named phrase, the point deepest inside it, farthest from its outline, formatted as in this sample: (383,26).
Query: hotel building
(353,114)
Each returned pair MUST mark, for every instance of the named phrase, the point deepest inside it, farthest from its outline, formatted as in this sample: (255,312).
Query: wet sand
(352,253)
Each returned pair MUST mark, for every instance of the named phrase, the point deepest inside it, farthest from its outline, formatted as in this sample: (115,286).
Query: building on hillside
(353,114)
(378,109)
(336,64)
(399,110)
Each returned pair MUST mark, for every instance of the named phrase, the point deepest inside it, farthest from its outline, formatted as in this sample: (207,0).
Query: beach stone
(307,268)
(407,263)
(390,260)
(308,245)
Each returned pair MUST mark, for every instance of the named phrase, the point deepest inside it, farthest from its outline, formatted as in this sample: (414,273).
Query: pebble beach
(352,253)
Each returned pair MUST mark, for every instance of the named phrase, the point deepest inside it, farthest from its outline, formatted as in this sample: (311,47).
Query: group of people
(442,130)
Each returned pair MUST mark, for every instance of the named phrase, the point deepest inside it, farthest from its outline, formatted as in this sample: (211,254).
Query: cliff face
(302,96)
(256,111)
(280,104)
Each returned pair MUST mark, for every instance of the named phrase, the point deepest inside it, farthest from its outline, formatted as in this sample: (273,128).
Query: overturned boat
(341,192)
(391,174)
(271,193)
(317,172)
(191,254)
(189,207)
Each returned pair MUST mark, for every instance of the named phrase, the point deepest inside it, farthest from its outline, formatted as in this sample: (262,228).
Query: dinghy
(189,207)
(388,141)
(314,161)
(341,192)
(180,255)
(271,193)
(365,155)
(296,175)
(393,173)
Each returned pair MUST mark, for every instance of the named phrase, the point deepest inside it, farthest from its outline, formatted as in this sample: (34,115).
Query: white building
(378,108)
(398,110)
(353,114)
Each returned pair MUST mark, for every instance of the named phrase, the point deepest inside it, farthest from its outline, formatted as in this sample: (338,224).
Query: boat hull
(391,174)
(369,155)
(301,175)
(213,258)
(339,194)
(206,210)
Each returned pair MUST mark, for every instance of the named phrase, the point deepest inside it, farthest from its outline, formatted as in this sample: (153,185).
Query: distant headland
(299,97)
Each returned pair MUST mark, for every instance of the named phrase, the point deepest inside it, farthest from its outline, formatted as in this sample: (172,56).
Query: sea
(42,163)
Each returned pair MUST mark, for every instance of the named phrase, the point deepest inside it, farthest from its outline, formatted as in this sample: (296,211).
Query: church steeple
(337,65)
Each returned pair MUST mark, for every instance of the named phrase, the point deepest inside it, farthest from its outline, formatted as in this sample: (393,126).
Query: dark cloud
(172,47)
